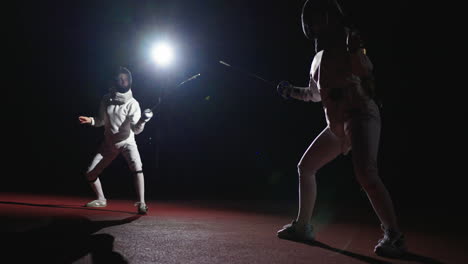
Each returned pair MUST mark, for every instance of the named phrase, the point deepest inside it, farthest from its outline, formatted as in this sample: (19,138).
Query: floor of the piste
(58,229)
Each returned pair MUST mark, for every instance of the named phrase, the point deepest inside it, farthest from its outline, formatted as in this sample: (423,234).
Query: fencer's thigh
(325,147)
(105,155)
(132,155)
(365,135)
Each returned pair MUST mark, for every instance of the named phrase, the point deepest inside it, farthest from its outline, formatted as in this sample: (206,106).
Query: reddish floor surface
(57,229)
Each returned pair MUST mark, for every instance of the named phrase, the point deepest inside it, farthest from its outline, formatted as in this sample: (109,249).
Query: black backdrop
(224,135)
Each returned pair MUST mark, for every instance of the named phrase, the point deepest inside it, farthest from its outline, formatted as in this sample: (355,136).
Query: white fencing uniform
(345,97)
(120,114)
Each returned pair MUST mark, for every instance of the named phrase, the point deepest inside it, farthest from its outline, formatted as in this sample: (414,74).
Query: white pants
(363,133)
(108,152)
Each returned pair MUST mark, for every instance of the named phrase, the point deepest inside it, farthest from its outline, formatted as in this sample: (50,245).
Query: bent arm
(306,94)
(363,68)
(361,64)
(137,124)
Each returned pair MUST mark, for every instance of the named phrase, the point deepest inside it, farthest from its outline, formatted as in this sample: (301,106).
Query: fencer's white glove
(140,125)
(147,115)
(284,89)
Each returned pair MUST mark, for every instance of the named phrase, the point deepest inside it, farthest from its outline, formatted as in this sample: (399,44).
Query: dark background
(243,141)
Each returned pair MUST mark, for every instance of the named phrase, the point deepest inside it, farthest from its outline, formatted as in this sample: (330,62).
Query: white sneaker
(142,207)
(97,203)
(391,245)
(293,232)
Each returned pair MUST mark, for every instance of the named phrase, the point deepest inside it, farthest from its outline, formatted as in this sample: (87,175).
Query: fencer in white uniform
(341,79)
(120,114)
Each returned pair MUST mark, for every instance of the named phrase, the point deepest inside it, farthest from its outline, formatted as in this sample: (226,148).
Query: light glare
(162,54)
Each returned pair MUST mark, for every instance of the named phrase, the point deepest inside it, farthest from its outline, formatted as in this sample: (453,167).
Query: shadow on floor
(409,256)
(62,240)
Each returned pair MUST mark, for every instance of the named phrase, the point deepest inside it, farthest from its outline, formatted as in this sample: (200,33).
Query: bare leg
(365,135)
(323,149)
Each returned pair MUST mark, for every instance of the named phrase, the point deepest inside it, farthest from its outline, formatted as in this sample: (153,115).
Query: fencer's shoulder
(318,54)
(316,62)
(133,103)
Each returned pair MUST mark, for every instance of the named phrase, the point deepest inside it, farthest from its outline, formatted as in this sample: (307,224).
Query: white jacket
(120,115)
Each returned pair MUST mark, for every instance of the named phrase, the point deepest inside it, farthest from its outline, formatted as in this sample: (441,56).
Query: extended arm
(306,94)
(94,121)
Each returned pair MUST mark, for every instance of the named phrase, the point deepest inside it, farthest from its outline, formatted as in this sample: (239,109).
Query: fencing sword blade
(247,73)
(224,63)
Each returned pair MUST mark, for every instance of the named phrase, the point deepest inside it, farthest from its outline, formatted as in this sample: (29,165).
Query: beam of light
(162,53)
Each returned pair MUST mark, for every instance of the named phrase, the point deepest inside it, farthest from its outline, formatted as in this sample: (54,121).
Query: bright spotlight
(162,54)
